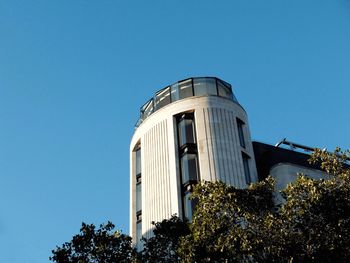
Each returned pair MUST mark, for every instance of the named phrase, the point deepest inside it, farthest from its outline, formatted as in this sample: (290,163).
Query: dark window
(246,168)
(185,89)
(240,126)
(138,179)
(138,216)
(186,131)
(138,162)
(189,169)
(224,90)
(138,197)
(188,158)
(204,86)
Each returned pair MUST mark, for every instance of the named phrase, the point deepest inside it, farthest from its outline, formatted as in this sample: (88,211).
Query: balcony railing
(204,86)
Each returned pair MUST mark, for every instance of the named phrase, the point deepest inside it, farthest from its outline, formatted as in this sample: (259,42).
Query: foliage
(93,245)
(316,214)
(240,225)
(162,247)
(221,228)
(244,225)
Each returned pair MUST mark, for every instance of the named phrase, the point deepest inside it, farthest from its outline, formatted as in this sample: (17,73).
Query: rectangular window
(188,206)
(188,160)
(240,126)
(246,168)
(174,93)
(204,86)
(138,162)
(186,131)
(138,197)
(138,234)
(147,109)
(189,169)
(224,91)
(185,89)
(162,98)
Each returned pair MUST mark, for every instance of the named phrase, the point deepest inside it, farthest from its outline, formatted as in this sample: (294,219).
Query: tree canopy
(240,225)
(163,246)
(91,245)
(245,225)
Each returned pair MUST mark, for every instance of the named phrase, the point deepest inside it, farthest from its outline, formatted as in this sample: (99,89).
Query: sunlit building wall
(192,130)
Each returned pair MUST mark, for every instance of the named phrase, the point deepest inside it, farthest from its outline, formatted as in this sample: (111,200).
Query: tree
(162,247)
(317,212)
(102,245)
(245,225)
(223,228)
(240,225)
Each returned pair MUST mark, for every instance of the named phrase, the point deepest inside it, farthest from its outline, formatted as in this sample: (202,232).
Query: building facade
(192,130)
(285,161)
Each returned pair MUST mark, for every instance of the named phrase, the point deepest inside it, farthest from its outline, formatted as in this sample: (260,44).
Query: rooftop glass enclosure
(204,86)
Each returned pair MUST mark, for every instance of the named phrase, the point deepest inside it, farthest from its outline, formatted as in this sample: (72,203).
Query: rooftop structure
(183,89)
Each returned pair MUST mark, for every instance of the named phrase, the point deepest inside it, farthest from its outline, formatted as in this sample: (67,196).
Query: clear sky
(73,74)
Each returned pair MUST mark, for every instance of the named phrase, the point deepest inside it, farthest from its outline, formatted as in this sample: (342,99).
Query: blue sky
(73,75)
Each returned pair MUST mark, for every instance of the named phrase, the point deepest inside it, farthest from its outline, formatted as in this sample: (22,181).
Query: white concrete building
(285,164)
(192,130)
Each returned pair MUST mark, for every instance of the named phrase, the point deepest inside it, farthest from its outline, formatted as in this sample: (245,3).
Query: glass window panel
(224,91)
(138,234)
(246,168)
(200,86)
(185,89)
(143,108)
(147,109)
(174,92)
(163,98)
(188,206)
(240,132)
(186,132)
(138,198)
(204,86)
(224,83)
(138,161)
(189,168)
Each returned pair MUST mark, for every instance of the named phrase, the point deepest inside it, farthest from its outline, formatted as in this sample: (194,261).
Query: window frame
(246,168)
(187,148)
(189,180)
(191,145)
(240,130)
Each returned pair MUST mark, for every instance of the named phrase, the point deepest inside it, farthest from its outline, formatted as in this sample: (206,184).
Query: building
(284,162)
(192,130)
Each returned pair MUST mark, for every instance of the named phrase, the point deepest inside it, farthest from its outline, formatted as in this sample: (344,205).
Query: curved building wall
(220,155)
